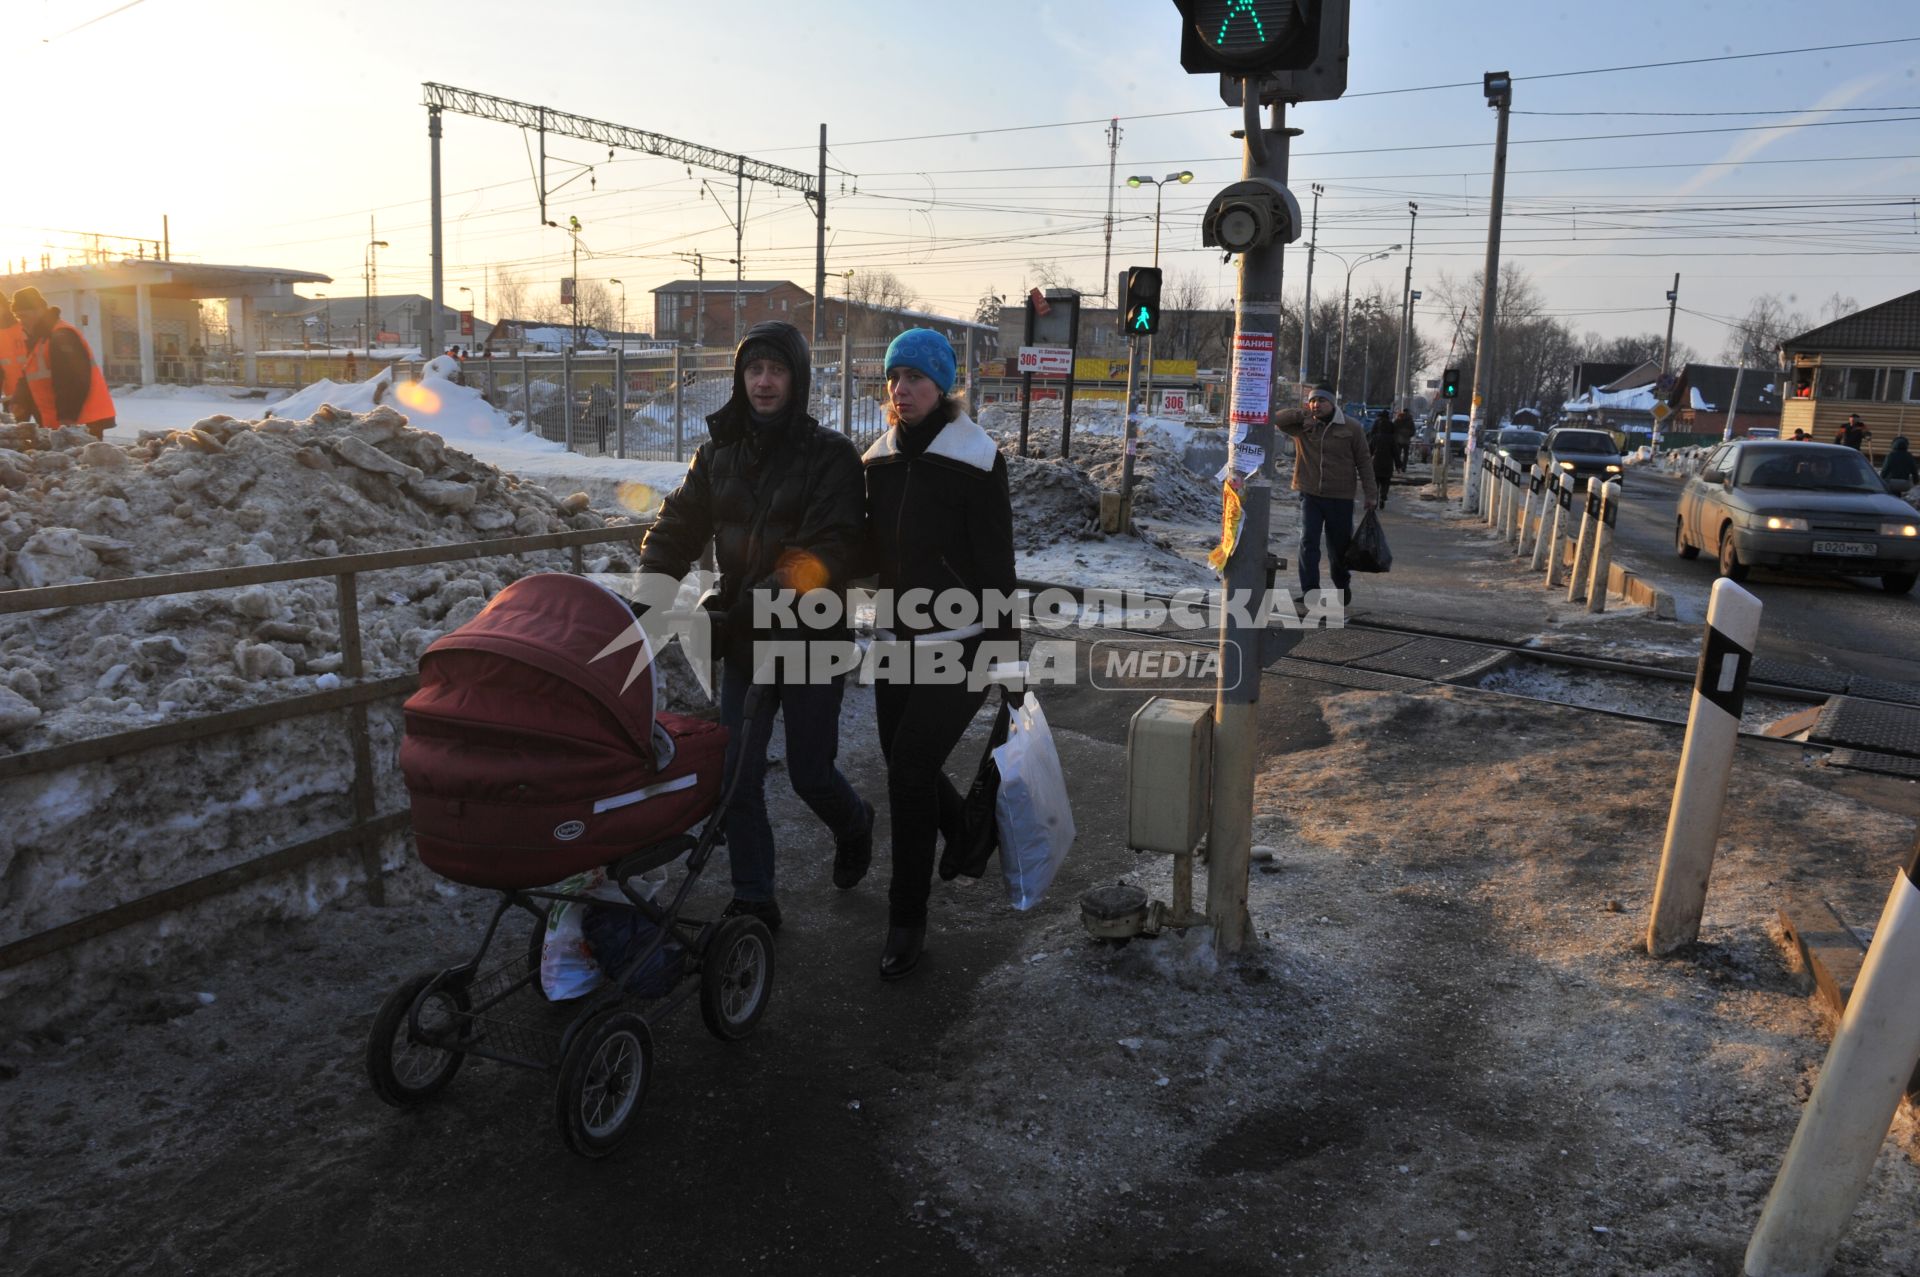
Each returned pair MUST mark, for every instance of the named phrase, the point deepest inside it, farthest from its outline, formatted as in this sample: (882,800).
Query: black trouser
(919,726)
(1385,481)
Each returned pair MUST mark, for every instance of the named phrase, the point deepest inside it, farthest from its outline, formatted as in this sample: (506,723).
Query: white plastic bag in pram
(1032,810)
(568,968)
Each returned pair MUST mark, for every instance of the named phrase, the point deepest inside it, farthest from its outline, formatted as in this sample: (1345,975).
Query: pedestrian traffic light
(1142,315)
(1246,37)
(1450,384)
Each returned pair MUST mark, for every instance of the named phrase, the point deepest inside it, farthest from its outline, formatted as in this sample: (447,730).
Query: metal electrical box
(1169,775)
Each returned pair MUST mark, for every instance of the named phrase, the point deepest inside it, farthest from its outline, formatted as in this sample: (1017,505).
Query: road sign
(1664,386)
(1173,403)
(1662,411)
(1047,361)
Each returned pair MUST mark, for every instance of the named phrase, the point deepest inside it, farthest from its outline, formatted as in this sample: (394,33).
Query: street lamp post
(469,310)
(623,311)
(1159,188)
(326,313)
(1402,364)
(1306,306)
(1346,298)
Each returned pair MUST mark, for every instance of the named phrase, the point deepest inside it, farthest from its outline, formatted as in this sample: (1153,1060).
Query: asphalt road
(1849,623)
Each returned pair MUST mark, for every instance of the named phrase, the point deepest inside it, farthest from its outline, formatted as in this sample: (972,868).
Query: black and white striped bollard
(1583,548)
(1706,761)
(1603,547)
(1845,1123)
(1522,505)
(1549,521)
(1562,507)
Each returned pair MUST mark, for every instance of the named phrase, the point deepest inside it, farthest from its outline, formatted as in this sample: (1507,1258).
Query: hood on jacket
(1900,443)
(735,419)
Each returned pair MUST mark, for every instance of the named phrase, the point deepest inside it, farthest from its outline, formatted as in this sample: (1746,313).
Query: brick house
(691,311)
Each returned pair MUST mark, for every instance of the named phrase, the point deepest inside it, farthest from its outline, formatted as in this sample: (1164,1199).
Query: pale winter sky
(270,130)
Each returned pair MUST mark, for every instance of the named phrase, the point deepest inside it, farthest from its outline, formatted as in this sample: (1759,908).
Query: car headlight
(1899,530)
(1613,469)
(1778,523)
(1505,453)
(1566,465)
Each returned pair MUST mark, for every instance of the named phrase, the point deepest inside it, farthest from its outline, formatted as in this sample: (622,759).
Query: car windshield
(1824,469)
(1520,438)
(1583,441)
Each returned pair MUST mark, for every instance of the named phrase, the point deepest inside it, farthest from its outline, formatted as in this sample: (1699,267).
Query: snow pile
(233,493)
(459,414)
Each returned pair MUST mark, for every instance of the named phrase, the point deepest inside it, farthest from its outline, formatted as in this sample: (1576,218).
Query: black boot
(902,951)
(852,854)
(768,911)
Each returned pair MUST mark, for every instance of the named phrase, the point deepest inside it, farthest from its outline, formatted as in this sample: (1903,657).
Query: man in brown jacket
(1330,461)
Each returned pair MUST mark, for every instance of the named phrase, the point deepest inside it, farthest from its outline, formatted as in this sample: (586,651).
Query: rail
(363,834)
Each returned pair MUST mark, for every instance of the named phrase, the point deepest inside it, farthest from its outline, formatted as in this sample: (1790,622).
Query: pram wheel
(405,1072)
(602,1081)
(736,977)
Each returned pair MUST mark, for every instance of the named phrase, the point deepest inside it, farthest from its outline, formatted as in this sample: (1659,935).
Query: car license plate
(1858,549)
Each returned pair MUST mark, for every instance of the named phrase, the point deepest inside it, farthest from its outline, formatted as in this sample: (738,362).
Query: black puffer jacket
(941,515)
(782,502)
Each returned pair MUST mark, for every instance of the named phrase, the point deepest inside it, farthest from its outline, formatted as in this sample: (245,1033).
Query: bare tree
(876,296)
(1051,274)
(987,309)
(1535,351)
(1640,349)
(597,306)
(1192,325)
(1837,307)
(1754,340)
(509,295)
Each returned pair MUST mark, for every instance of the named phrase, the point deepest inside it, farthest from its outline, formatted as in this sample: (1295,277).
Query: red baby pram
(535,750)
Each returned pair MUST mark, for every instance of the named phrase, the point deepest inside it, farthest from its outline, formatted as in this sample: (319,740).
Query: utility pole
(739,246)
(1113,158)
(434,335)
(1673,303)
(1401,373)
(820,247)
(573,231)
(1498,87)
(1306,304)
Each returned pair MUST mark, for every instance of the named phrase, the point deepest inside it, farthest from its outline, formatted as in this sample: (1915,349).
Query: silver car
(1808,507)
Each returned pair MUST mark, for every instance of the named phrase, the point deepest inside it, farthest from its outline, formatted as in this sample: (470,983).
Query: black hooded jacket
(783,502)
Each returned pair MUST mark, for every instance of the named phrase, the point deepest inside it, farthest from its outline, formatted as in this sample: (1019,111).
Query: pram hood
(568,627)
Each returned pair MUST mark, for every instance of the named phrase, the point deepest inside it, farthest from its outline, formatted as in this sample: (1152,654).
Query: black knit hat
(30,298)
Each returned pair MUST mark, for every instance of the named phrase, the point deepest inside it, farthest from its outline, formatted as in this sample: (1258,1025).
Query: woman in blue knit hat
(940,519)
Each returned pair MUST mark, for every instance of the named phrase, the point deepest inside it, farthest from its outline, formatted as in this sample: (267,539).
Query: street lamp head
(1137,180)
(1183,176)
(379,243)
(615,281)
(1394,249)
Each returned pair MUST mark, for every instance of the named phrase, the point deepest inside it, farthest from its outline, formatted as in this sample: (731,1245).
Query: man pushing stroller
(783,501)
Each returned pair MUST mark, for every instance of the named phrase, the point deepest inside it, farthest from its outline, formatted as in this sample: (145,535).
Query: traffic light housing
(1141,318)
(1450,384)
(1247,37)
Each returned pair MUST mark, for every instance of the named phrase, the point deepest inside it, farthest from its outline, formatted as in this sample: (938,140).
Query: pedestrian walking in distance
(1332,468)
(941,520)
(1383,447)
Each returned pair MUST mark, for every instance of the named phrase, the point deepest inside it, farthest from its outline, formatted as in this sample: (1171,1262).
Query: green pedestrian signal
(1142,313)
(1241,37)
(1241,9)
(1450,384)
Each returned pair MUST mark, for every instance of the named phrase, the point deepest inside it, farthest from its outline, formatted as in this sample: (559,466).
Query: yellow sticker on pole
(1233,517)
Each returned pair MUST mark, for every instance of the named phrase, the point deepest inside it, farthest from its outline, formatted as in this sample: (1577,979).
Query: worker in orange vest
(61,386)
(13,350)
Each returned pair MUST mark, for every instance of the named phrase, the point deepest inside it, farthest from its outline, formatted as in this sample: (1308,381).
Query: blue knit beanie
(924,351)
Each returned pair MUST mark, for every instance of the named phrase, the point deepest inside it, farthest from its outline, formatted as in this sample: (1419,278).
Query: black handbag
(980,836)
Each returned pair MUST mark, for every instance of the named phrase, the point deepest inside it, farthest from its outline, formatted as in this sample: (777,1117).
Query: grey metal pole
(679,408)
(1733,404)
(620,399)
(739,244)
(566,387)
(1403,357)
(1306,304)
(846,382)
(1487,345)
(1237,695)
(1132,422)
(434,336)
(526,396)
(820,249)
(967,354)
(1340,368)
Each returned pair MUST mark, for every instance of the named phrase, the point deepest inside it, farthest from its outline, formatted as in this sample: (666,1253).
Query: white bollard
(1522,505)
(1562,506)
(1546,549)
(1845,1123)
(1706,760)
(1603,547)
(1583,548)
(1492,487)
(1536,526)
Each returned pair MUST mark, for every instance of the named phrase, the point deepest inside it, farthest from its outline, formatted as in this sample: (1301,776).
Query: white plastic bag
(1032,810)
(568,968)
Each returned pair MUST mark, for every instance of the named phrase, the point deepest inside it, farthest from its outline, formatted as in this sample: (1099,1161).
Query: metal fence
(654,405)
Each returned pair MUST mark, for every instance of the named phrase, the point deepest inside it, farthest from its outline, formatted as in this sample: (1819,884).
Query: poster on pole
(1252,377)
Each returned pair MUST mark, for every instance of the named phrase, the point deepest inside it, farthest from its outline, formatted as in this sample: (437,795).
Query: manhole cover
(1442,659)
(1337,647)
